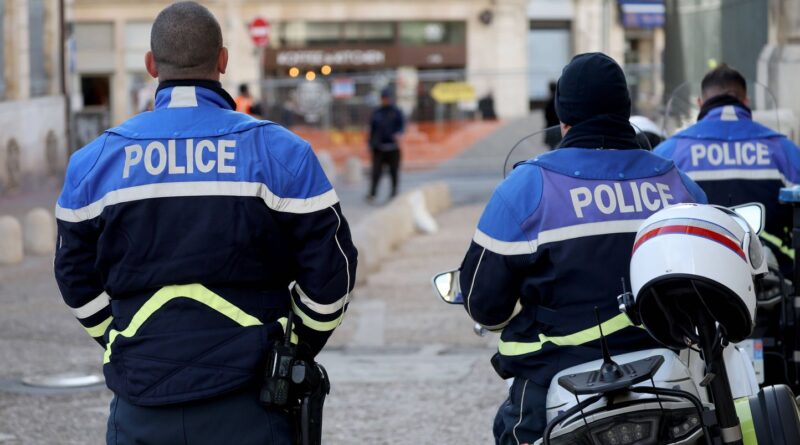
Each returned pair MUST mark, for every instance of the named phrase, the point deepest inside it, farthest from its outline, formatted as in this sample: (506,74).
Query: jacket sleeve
(322,251)
(493,268)
(80,284)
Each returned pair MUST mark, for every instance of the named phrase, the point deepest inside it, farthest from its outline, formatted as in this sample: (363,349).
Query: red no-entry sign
(260,31)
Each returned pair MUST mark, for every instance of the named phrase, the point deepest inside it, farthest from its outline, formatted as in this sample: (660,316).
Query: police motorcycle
(693,275)
(774,345)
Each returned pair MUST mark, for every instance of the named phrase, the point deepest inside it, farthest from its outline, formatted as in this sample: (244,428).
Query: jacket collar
(601,131)
(729,113)
(192,93)
(724,107)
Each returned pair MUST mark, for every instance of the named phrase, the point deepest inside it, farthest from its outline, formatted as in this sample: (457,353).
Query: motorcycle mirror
(447,288)
(753,213)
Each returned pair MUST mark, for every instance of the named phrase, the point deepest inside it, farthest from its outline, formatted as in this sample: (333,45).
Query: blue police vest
(735,161)
(555,242)
(203,227)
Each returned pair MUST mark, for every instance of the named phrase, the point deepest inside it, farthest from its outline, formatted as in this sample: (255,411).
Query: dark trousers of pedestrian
(522,418)
(381,159)
(236,418)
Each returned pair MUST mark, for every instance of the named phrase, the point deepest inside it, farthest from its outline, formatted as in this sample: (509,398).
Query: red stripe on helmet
(691,230)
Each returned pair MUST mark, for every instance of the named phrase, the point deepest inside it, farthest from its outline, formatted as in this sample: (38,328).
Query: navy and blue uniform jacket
(736,161)
(553,243)
(386,124)
(185,237)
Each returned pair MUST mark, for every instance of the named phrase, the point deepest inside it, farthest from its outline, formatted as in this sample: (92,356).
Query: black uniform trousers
(522,418)
(381,158)
(235,418)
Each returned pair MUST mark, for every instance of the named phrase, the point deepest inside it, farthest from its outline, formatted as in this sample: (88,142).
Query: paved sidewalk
(406,367)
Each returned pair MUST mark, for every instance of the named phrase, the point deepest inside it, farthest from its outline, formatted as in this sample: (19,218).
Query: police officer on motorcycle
(555,240)
(736,160)
(186,236)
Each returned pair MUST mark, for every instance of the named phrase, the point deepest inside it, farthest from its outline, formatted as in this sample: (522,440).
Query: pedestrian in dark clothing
(552,136)
(486,107)
(386,124)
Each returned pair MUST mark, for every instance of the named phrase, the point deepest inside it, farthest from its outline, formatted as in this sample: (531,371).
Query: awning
(642,14)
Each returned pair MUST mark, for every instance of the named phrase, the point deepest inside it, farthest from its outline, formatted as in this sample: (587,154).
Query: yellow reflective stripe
(321,326)
(196,292)
(587,335)
(746,420)
(99,330)
(786,250)
(283,321)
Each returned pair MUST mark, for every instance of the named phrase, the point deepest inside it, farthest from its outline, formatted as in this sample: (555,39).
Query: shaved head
(724,80)
(186,41)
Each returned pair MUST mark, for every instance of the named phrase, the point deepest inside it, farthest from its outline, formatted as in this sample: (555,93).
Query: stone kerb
(326,161)
(383,230)
(11,251)
(354,171)
(39,233)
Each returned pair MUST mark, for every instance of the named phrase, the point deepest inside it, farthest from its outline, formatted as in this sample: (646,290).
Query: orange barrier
(424,144)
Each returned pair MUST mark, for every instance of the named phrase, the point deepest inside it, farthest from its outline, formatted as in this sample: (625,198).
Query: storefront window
(137,43)
(310,33)
(369,32)
(94,37)
(425,33)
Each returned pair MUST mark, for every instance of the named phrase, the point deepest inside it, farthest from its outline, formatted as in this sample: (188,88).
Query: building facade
(32,107)
(481,41)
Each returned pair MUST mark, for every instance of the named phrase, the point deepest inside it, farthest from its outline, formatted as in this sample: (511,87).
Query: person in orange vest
(244,101)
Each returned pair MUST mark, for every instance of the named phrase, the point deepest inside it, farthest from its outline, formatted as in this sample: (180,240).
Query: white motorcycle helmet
(692,257)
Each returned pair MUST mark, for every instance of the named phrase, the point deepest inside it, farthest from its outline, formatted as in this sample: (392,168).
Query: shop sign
(343,88)
(452,92)
(348,57)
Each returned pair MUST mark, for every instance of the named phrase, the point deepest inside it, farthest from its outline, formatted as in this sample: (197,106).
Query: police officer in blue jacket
(186,236)
(555,241)
(736,160)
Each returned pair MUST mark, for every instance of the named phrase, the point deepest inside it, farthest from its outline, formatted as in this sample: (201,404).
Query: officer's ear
(150,64)
(700,102)
(222,60)
(564,128)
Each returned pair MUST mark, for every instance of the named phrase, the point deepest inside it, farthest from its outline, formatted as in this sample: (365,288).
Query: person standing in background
(244,101)
(386,124)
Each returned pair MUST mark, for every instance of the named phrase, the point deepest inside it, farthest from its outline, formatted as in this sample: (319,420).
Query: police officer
(736,160)
(186,235)
(555,241)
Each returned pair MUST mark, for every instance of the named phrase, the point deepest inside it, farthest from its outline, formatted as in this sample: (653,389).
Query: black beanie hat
(590,85)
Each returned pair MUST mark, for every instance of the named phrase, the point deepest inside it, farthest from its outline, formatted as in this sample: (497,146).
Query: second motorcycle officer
(196,221)
(555,241)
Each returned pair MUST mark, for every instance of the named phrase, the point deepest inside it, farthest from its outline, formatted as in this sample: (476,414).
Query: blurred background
(70,68)
(473,78)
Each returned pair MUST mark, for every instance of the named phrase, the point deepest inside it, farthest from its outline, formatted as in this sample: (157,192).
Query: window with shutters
(2,51)
(36,36)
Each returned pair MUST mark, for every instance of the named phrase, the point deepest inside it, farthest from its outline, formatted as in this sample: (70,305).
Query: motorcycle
(695,391)
(775,341)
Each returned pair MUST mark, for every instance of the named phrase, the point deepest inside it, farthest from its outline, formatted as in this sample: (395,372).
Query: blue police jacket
(735,161)
(186,236)
(553,243)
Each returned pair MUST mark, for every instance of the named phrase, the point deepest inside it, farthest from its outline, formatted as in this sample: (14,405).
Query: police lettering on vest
(204,155)
(730,153)
(622,197)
